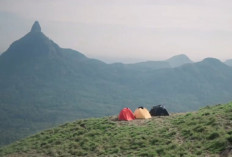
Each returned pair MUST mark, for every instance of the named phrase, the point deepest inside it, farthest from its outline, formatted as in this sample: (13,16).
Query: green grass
(207,132)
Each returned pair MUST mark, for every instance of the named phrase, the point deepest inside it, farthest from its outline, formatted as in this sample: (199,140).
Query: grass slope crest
(207,132)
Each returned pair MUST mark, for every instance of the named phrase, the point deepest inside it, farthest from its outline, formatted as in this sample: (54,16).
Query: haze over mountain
(126,31)
(228,62)
(178,60)
(42,85)
(172,62)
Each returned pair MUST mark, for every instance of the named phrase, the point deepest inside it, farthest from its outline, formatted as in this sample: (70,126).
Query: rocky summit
(36,27)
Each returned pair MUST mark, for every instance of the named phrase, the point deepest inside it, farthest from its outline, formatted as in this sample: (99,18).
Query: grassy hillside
(206,132)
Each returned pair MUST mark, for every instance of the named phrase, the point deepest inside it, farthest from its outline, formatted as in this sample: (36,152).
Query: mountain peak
(180,56)
(178,60)
(211,61)
(36,27)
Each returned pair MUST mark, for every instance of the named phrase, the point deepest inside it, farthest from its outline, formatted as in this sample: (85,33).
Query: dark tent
(159,110)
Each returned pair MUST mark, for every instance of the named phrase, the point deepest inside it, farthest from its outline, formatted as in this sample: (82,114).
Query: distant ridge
(173,62)
(212,60)
(178,60)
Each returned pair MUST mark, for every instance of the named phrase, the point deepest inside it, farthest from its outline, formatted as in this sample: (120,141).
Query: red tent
(126,114)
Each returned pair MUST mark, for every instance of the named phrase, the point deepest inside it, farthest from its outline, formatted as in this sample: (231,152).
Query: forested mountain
(42,85)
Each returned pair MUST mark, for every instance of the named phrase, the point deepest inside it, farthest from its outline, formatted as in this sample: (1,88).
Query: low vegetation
(207,132)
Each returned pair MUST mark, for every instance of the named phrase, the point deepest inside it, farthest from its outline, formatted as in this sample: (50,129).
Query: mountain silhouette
(36,27)
(42,85)
(178,60)
(172,62)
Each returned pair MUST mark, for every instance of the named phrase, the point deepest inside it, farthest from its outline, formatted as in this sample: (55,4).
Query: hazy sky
(125,30)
